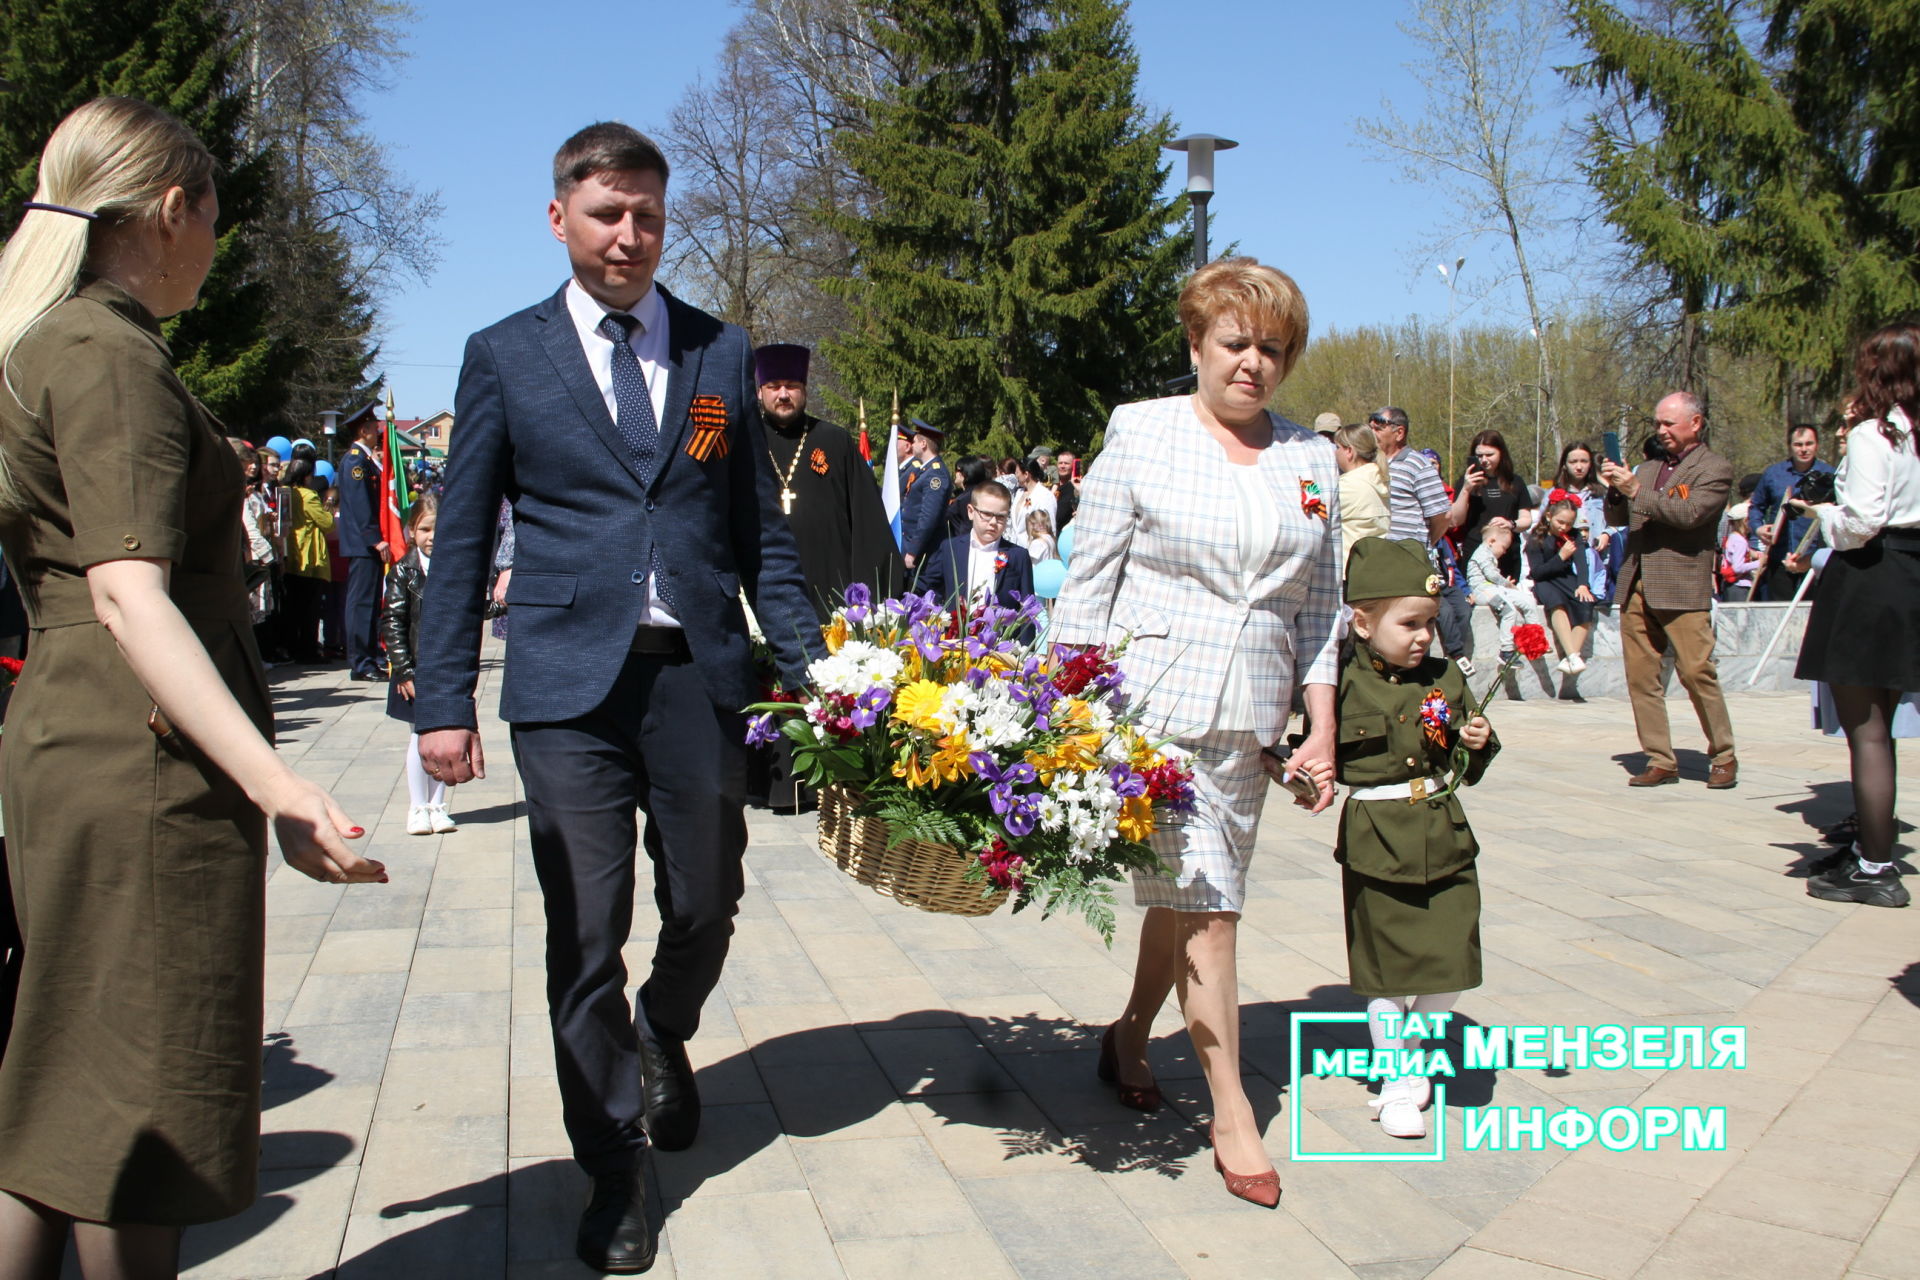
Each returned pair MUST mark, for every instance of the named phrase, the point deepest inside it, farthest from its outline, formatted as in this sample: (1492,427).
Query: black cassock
(833,507)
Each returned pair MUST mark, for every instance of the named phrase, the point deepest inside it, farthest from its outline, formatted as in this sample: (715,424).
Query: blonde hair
(115,158)
(1359,437)
(1046,522)
(1265,296)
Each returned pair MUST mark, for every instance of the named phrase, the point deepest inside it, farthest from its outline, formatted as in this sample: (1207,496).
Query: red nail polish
(357,831)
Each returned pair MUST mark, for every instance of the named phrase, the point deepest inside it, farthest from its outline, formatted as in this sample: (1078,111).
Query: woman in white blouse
(1207,539)
(1859,637)
(1363,487)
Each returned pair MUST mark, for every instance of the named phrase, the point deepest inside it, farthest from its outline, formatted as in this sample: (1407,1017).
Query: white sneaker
(1399,1115)
(1575,664)
(1564,666)
(1420,1088)
(419,822)
(442,820)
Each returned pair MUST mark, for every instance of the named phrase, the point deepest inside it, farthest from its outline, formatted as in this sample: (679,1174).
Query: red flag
(866,449)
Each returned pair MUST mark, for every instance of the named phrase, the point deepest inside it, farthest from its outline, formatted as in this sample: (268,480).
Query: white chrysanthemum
(858,667)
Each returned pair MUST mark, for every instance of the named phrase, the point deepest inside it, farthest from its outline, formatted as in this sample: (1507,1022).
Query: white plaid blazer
(1156,557)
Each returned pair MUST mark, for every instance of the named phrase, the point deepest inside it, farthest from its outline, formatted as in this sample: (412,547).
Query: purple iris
(920,607)
(1002,779)
(977,677)
(760,731)
(858,599)
(1024,814)
(868,706)
(927,640)
(1127,783)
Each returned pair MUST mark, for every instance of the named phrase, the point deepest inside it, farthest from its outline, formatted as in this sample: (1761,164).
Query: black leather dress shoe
(672,1098)
(616,1237)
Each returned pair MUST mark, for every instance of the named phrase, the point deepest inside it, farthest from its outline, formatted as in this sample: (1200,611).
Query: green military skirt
(1412,939)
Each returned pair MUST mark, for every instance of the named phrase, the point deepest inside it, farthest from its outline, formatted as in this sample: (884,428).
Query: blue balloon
(323,469)
(1048,577)
(304,441)
(282,446)
(1064,543)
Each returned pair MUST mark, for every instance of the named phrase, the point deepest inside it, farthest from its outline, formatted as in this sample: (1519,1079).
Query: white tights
(422,790)
(1401,1005)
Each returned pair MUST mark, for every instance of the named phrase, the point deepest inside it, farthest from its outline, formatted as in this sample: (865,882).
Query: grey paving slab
(892,1093)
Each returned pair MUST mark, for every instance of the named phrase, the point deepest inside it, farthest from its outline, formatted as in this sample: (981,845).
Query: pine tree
(1016,274)
(1776,193)
(175,54)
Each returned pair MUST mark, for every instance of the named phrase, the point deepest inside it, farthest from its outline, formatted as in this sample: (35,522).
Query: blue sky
(492,87)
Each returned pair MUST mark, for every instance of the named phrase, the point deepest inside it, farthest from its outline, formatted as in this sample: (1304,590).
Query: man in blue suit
(362,490)
(982,564)
(624,427)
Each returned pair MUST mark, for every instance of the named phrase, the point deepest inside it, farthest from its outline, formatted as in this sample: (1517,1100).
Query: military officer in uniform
(367,553)
(925,487)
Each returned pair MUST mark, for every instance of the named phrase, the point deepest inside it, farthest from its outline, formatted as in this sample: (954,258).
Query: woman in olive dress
(137,776)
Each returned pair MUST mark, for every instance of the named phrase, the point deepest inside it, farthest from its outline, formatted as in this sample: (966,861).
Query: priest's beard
(788,427)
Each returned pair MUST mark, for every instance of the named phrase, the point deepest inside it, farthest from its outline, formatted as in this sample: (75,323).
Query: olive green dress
(1412,892)
(130,1082)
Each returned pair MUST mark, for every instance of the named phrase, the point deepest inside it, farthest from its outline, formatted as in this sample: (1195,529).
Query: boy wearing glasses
(982,564)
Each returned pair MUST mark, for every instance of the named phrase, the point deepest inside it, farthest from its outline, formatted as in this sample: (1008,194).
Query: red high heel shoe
(1140,1098)
(1262,1189)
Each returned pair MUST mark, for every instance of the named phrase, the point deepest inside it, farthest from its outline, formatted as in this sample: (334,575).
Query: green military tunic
(130,1080)
(1412,895)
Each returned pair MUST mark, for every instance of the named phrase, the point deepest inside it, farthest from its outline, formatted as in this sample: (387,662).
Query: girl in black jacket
(1557,559)
(406,588)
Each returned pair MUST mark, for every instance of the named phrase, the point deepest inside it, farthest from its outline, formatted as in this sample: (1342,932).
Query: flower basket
(962,762)
(932,877)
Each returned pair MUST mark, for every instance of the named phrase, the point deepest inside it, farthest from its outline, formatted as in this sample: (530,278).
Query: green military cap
(1381,568)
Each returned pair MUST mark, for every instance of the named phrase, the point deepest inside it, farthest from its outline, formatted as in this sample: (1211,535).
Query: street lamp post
(1200,148)
(1391,366)
(1452,278)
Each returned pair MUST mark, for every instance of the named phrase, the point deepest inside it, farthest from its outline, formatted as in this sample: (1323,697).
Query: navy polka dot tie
(634,417)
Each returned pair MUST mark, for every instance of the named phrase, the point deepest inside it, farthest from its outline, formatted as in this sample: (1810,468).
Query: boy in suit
(981,565)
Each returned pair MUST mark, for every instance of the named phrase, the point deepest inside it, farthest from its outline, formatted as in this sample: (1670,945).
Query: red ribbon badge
(1310,500)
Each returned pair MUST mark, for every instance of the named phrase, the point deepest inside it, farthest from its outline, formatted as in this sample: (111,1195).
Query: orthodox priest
(833,506)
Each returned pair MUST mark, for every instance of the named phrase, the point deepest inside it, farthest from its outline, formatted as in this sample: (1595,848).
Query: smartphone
(1302,786)
(1610,445)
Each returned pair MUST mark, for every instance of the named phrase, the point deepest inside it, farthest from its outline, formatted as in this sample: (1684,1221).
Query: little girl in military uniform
(1406,854)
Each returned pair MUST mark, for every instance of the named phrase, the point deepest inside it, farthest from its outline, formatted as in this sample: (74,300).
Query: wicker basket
(931,877)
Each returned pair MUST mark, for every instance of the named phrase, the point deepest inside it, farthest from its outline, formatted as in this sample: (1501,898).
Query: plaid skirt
(1206,852)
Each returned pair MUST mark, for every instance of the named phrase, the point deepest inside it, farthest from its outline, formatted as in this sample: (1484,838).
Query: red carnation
(1530,638)
(11,666)
(1081,670)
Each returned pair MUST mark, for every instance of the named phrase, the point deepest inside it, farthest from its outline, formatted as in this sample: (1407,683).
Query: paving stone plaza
(895,1094)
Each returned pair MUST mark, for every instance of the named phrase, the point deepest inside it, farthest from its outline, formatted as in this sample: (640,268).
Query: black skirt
(1866,615)
(399,708)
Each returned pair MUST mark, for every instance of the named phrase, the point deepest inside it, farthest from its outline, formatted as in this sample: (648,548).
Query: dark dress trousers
(601,727)
(359,524)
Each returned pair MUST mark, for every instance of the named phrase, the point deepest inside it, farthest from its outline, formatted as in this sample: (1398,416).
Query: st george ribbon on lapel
(634,417)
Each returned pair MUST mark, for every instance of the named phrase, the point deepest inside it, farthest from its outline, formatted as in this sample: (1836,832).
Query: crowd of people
(630,471)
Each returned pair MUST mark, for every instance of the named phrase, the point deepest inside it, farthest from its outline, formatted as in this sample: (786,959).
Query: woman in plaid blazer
(1208,540)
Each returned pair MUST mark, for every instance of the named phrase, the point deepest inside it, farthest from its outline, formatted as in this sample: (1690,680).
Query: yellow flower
(1136,818)
(1077,753)
(918,704)
(835,632)
(948,764)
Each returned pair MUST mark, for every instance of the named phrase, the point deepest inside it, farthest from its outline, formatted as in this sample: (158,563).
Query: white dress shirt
(981,574)
(648,339)
(1877,487)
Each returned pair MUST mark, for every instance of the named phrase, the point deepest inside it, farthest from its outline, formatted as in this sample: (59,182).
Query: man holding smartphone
(1671,506)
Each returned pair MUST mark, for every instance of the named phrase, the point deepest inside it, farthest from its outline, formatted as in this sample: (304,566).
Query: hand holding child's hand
(1476,733)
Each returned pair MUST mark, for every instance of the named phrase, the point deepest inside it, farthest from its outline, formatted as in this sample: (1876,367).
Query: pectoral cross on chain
(786,500)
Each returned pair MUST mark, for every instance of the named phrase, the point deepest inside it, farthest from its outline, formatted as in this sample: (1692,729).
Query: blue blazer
(944,572)
(361,495)
(534,428)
